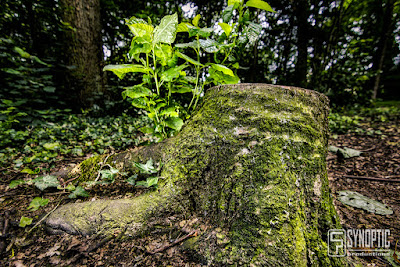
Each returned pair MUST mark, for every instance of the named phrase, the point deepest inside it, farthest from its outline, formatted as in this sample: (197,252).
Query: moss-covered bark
(251,162)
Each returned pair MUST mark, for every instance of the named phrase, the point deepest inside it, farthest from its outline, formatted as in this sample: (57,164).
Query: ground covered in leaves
(378,138)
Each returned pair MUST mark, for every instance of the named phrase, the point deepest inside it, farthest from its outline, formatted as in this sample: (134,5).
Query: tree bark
(83,49)
(250,165)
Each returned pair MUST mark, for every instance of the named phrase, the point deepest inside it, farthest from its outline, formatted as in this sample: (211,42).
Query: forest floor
(35,247)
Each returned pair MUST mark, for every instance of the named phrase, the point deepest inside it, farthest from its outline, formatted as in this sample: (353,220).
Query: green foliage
(37,203)
(78,192)
(44,182)
(25,221)
(166,70)
(145,179)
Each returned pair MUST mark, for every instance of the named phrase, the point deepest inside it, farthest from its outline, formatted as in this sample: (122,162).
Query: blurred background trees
(52,52)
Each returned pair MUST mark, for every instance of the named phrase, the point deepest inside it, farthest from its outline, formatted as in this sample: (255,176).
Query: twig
(70,180)
(192,234)
(102,165)
(44,217)
(372,178)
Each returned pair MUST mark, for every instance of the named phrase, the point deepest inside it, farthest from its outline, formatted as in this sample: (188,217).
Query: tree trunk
(249,165)
(83,49)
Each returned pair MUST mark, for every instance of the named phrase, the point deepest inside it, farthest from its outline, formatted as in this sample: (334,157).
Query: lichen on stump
(250,162)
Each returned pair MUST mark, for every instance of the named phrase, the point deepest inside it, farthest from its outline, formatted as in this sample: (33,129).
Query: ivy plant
(167,69)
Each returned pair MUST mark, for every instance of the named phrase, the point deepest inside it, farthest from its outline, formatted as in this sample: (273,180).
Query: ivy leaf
(174,123)
(16,183)
(136,91)
(260,4)
(225,27)
(132,180)
(51,146)
(24,221)
(122,69)
(188,59)
(37,202)
(151,181)
(166,31)
(147,168)
(44,182)
(79,192)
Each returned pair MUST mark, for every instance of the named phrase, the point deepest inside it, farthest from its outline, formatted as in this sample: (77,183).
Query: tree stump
(250,164)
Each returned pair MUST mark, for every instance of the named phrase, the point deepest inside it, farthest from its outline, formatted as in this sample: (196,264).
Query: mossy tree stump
(250,162)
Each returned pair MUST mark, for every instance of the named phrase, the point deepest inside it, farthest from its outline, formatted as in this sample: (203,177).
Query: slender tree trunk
(83,49)
(248,170)
(387,27)
(301,9)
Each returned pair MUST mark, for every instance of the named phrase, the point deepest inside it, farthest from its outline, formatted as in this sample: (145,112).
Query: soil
(36,247)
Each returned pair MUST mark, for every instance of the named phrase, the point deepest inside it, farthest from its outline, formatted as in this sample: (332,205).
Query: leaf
(51,146)
(37,202)
(140,45)
(253,32)
(147,130)
(233,2)
(132,180)
(183,27)
(223,69)
(188,59)
(210,46)
(21,52)
(172,73)
(166,31)
(260,4)
(203,32)
(44,182)
(122,69)
(136,91)
(227,14)
(169,112)
(226,28)
(49,89)
(196,19)
(357,200)
(163,52)
(147,168)
(139,102)
(144,27)
(78,192)
(174,123)
(16,183)
(24,221)
(136,31)
(193,44)
(151,181)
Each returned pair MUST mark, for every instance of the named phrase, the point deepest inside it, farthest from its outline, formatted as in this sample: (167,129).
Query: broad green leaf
(233,2)
(70,187)
(193,44)
(145,27)
(79,192)
(37,202)
(172,61)
(139,102)
(210,46)
(44,182)
(188,59)
(172,73)
(51,146)
(223,69)
(253,31)
(16,183)
(140,45)
(203,32)
(228,13)
(136,31)
(183,27)
(174,123)
(259,4)
(163,52)
(169,112)
(121,70)
(181,89)
(226,28)
(196,19)
(136,91)
(25,221)
(49,89)
(166,31)
(219,77)
(147,168)
(147,130)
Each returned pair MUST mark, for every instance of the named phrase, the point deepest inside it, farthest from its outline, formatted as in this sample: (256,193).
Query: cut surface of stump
(251,163)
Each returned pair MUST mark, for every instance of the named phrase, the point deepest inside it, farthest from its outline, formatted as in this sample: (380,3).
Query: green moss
(89,168)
